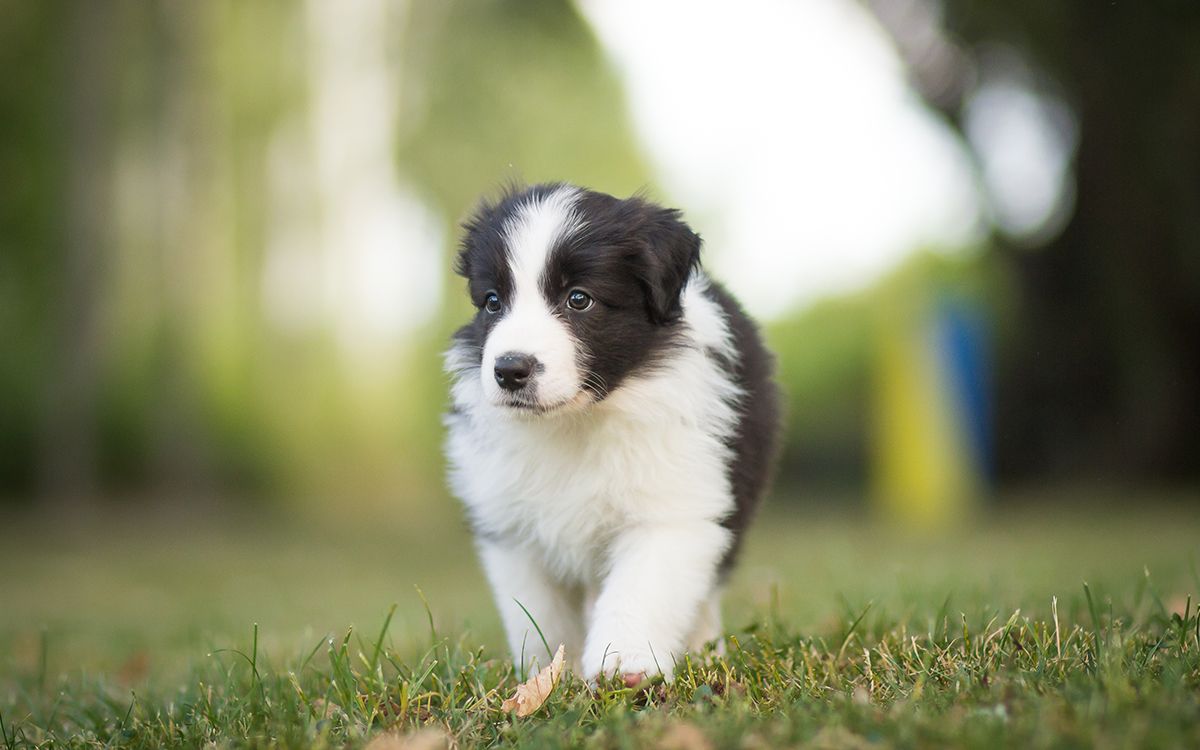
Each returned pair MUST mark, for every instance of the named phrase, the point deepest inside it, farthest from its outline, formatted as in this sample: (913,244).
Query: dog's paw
(632,663)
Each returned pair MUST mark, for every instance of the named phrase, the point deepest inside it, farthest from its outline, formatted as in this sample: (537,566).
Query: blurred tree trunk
(1101,376)
(176,459)
(68,462)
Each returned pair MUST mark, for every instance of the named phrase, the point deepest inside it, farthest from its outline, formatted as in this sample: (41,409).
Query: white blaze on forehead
(531,234)
(529,324)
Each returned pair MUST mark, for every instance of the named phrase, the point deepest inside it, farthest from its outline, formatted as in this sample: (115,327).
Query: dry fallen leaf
(838,738)
(421,739)
(135,669)
(1179,604)
(684,736)
(532,693)
(327,709)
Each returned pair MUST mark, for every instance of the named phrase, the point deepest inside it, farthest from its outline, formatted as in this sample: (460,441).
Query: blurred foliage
(33,41)
(491,109)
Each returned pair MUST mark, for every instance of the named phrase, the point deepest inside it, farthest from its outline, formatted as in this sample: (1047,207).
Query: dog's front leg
(519,580)
(648,603)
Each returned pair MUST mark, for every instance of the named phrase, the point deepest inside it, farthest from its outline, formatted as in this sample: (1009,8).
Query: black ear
(481,241)
(668,252)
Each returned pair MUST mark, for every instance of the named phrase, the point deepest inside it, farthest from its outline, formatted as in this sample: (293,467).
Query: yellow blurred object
(925,475)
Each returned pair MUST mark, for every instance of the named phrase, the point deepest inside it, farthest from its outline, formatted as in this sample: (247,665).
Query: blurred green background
(970,229)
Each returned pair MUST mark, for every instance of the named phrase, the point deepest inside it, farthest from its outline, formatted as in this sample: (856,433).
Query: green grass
(840,635)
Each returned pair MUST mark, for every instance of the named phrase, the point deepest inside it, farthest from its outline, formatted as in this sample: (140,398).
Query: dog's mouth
(526,406)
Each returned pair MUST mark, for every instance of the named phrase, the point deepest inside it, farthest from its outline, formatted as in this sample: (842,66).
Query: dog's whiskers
(595,383)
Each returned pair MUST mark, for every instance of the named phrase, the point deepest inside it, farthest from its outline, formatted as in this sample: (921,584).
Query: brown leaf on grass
(1179,604)
(838,738)
(135,669)
(683,736)
(324,710)
(421,739)
(532,693)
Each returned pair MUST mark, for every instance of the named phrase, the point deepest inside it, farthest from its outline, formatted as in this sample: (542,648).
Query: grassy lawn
(841,634)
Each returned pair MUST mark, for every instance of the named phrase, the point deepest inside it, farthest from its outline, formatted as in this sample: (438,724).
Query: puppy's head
(575,291)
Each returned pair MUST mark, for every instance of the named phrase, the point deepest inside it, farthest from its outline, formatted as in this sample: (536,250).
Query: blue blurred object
(962,337)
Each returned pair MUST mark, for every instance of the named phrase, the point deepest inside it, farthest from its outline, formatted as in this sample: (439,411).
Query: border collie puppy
(613,424)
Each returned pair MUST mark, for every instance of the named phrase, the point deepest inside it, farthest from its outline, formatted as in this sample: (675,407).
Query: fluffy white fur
(601,518)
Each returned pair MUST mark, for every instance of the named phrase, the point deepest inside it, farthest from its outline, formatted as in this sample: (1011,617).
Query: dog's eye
(578,300)
(491,302)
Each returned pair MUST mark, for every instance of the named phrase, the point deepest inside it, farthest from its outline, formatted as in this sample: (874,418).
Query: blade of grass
(1087,591)
(382,634)
(943,611)
(549,653)
(313,653)
(854,627)
(43,658)
(428,613)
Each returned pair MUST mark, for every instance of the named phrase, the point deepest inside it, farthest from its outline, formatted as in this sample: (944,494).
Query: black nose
(513,370)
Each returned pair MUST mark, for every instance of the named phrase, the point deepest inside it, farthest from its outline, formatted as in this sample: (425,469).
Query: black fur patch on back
(755,442)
